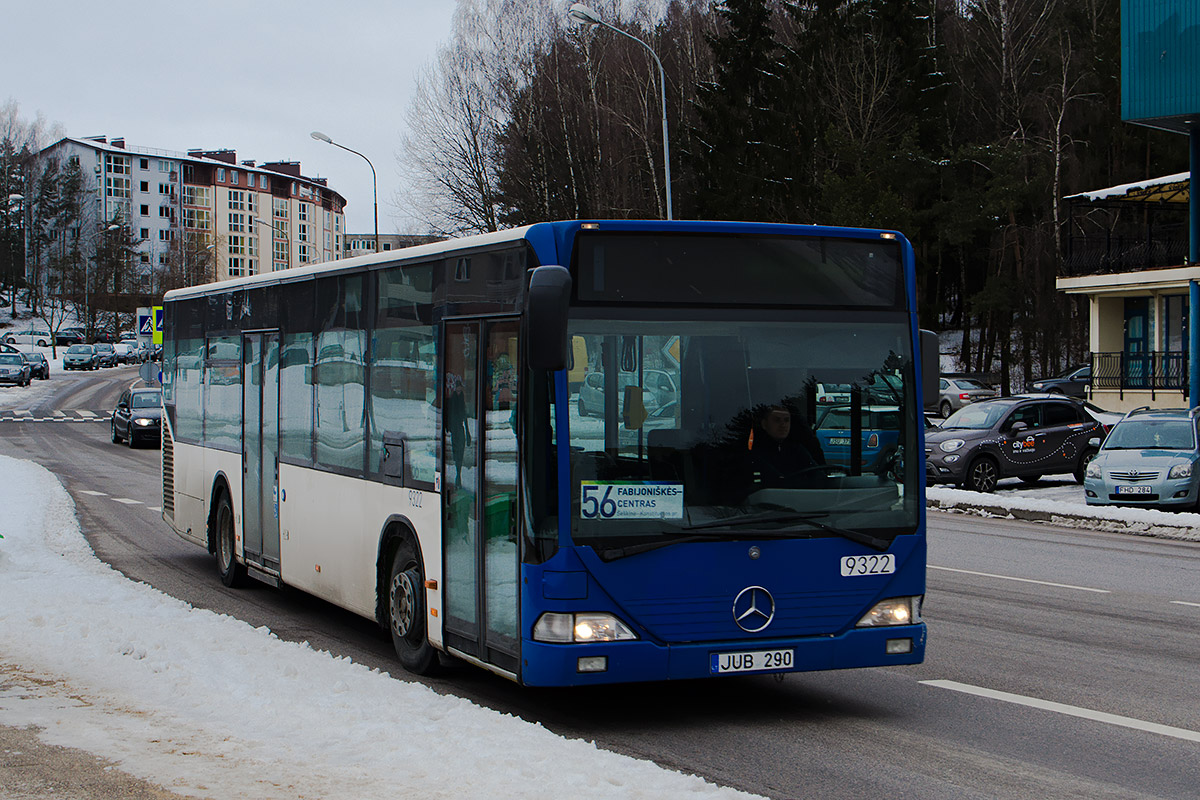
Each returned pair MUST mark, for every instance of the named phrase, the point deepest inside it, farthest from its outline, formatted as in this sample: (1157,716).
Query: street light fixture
(320,137)
(581,13)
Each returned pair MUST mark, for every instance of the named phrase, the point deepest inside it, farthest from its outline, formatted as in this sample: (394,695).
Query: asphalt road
(1061,663)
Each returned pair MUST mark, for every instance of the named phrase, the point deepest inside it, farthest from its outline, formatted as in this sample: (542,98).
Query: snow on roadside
(204,704)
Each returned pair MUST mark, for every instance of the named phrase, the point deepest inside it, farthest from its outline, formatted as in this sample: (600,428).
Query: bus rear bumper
(569,664)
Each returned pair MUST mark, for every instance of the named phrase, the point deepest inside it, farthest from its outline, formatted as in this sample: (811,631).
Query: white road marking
(127,501)
(81,412)
(1022,580)
(93,493)
(1073,711)
(59,413)
(1185,603)
(155,508)
(22,412)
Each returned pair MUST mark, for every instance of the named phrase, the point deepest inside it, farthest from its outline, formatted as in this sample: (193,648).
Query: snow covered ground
(206,705)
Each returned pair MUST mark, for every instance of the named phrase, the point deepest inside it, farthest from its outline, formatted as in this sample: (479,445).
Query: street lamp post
(581,13)
(320,137)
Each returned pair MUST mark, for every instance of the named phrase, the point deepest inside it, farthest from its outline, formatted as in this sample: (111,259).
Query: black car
(1006,437)
(107,354)
(138,417)
(39,367)
(69,336)
(1073,383)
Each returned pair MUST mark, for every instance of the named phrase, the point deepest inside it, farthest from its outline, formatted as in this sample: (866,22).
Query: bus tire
(406,612)
(232,573)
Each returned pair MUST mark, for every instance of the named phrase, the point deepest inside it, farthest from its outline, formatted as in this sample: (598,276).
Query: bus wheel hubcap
(403,603)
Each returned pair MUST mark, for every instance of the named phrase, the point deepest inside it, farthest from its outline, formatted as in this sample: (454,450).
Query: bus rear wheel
(406,612)
(232,573)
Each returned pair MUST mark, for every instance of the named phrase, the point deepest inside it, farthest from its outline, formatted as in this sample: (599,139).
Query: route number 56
(594,505)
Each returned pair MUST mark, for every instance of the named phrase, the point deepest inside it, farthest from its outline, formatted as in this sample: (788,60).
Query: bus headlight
(580,628)
(894,611)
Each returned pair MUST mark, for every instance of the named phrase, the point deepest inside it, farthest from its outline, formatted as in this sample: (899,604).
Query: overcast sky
(255,76)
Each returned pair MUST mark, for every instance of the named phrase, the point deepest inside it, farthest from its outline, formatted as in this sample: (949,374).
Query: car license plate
(839,441)
(1135,490)
(753,661)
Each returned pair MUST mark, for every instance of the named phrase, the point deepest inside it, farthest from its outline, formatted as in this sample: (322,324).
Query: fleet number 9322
(881,564)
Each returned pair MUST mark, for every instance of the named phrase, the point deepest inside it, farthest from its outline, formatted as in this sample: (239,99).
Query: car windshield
(147,399)
(104,348)
(10,359)
(967,383)
(977,417)
(1152,434)
(710,425)
(80,349)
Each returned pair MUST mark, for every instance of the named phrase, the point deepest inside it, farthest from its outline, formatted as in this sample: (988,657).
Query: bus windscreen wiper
(613,553)
(808,519)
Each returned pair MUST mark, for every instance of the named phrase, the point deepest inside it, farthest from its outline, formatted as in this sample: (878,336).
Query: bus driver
(777,452)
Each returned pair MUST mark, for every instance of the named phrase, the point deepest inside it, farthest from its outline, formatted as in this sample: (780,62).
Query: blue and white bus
(397,434)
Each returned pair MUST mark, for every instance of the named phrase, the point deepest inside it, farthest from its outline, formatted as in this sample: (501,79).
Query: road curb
(1083,520)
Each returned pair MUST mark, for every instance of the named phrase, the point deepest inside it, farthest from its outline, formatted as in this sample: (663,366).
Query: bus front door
(479,489)
(260,448)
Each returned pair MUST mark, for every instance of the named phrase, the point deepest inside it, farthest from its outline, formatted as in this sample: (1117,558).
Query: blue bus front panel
(682,603)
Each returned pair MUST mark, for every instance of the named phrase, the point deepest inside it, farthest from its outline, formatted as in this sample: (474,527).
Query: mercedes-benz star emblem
(753,609)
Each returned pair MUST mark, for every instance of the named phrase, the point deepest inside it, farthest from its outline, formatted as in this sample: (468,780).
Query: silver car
(1151,458)
(954,393)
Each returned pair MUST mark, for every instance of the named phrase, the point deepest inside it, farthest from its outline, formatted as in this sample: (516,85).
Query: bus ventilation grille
(168,472)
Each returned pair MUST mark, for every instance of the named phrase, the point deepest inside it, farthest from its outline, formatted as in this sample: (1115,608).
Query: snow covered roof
(1167,189)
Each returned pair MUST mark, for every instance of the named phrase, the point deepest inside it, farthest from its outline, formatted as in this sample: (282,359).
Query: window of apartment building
(166,235)
(220,174)
(302,232)
(303,251)
(197,219)
(144,186)
(164,166)
(327,220)
(116,186)
(144,210)
(144,258)
(166,212)
(233,174)
(237,201)
(250,179)
(237,266)
(328,240)
(162,259)
(252,203)
(164,188)
(263,183)
(302,212)
(280,251)
(197,196)
(145,233)
(337,223)
(73,160)
(144,163)
(118,165)
(237,223)
(279,206)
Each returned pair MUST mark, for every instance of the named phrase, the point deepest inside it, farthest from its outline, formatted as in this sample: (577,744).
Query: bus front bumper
(545,664)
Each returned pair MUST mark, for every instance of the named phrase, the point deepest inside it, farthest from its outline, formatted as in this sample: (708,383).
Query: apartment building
(203,212)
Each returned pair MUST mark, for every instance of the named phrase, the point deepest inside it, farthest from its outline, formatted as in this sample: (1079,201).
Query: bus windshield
(712,427)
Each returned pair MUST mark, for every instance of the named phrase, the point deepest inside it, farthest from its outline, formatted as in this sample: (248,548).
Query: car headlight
(894,611)
(1093,470)
(580,628)
(143,421)
(1180,471)
(950,445)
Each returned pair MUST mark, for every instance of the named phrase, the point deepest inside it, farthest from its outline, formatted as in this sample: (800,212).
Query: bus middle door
(479,489)
(260,448)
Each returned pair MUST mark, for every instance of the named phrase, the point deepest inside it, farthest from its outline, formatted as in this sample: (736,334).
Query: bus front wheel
(406,612)
(232,573)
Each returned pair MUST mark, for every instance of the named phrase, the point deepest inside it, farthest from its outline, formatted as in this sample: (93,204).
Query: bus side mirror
(931,366)
(546,305)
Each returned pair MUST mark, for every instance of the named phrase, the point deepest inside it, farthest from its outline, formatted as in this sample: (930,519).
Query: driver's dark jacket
(772,462)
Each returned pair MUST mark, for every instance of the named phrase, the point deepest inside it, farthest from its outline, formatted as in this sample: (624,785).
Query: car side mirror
(1018,428)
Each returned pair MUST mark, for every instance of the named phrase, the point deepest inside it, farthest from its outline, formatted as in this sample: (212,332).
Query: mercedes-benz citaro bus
(398,435)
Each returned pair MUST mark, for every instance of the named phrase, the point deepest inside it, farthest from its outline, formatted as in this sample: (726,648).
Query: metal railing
(1094,255)
(1162,370)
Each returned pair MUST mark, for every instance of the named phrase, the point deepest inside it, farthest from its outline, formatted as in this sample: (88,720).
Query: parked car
(81,356)
(39,336)
(14,369)
(954,393)
(106,353)
(1151,458)
(658,385)
(69,336)
(137,351)
(39,367)
(1073,383)
(1024,437)
(879,434)
(138,417)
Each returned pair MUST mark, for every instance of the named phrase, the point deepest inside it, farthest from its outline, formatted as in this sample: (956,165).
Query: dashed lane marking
(93,493)
(126,501)
(1021,580)
(1185,603)
(1073,711)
